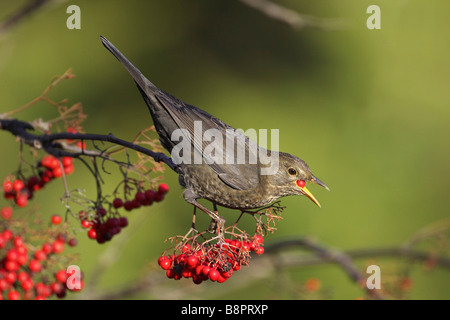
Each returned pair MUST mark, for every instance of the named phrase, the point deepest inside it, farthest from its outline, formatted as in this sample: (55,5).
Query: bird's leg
(213,224)
(193,218)
(217,220)
(191,198)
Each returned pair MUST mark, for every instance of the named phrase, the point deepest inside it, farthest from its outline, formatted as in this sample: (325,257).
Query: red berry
(12,254)
(3,241)
(33,183)
(312,284)
(40,255)
(22,200)
(128,205)
(181,258)
(246,246)
(196,279)
(71,130)
(149,195)
(135,203)
(56,219)
(35,265)
(18,185)
(68,169)
(170,273)
(186,248)
(57,287)
(67,161)
(258,239)
(6,213)
(192,262)
(161,258)
(86,224)
(227,274)
(117,203)
(22,276)
(259,250)
(7,234)
(213,274)
(11,265)
(13,295)
(101,211)
(81,145)
(221,279)
(198,269)
(10,277)
(206,270)
(92,234)
(46,176)
(186,273)
(177,276)
(140,196)
(47,248)
(158,197)
(43,290)
(22,259)
(7,186)
(61,276)
(57,172)
(18,241)
(163,188)
(301,183)
(123,222)
(166,264)
(58,246)
(50,162)
(27,284)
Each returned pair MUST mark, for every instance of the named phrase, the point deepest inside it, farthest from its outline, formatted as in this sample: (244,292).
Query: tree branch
(25,11)
(51,143)
(290,17)
(266,265)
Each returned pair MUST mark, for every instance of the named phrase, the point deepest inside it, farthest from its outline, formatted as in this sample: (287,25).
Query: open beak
(307,193)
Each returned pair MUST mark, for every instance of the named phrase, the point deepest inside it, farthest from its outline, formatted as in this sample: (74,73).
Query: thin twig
(290,17)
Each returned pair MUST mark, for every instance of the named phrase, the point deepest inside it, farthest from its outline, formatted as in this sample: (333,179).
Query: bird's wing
(235,166)
(170,113)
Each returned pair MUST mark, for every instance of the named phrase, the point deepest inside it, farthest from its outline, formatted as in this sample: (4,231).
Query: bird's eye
(292,171)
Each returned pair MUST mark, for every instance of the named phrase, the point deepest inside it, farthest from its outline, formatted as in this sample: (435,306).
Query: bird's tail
(147,88)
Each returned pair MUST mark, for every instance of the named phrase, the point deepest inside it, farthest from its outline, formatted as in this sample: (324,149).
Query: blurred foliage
(368,110)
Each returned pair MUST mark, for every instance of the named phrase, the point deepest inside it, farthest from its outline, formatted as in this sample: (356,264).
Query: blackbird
(221,177)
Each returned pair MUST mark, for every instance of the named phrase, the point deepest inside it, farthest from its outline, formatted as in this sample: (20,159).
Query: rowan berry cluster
(105,224)
(207,261)
(29,270)
(20,190)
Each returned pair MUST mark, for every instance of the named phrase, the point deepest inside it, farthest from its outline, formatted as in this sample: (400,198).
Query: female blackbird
(224,177)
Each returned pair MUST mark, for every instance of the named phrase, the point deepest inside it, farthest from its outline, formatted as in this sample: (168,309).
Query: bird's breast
(205,183)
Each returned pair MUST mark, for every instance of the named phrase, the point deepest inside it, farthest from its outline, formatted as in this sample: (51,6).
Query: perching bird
(223,177)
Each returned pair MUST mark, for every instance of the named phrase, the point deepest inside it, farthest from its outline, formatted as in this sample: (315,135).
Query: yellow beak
(307,193)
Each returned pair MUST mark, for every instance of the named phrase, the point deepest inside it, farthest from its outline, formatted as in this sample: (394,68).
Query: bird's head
(292,175)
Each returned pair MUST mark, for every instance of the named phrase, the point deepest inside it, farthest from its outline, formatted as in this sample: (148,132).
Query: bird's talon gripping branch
(212,228)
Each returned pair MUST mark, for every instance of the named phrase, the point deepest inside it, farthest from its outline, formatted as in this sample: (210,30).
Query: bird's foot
(212,228)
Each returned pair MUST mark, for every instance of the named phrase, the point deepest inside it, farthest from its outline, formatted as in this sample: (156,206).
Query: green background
(368,110)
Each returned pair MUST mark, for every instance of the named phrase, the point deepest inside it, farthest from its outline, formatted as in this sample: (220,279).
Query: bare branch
(29,8)
(292,18)
(50,142)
